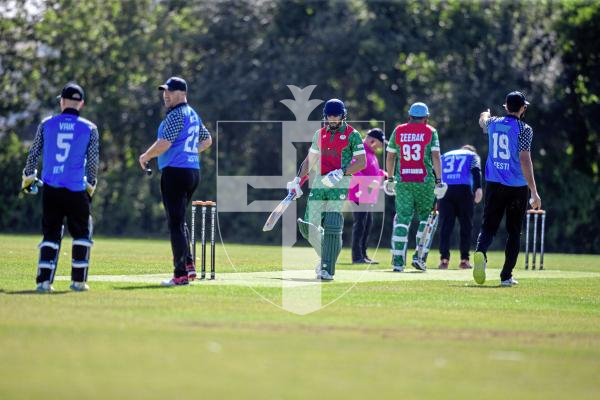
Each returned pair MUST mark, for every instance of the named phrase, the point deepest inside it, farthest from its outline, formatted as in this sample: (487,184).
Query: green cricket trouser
(324,208)
(410,197)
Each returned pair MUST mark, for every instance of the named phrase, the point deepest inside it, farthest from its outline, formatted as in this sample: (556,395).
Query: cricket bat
(281,207)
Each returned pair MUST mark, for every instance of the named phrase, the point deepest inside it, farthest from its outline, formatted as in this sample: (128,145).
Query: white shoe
(509,282)
(398,268)
(324,276)
(318,268)
(419,264)
(79,287)
(479,265)
(44,287)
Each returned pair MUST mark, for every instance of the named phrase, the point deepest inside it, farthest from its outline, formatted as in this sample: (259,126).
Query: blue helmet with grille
(334,107)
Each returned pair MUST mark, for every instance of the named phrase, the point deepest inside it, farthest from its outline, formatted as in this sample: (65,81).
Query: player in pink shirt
(364,191)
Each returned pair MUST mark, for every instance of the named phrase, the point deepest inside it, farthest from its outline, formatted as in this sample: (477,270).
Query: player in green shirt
(337,152)
(413,166)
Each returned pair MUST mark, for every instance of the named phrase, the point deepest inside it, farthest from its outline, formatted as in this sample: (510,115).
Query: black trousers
(177,187)
(361,227)
(58,204)
(457,203)
(501,200)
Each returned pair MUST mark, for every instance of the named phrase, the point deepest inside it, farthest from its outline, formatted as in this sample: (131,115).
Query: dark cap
(377,134)
(515,100)
(174,83)
(71,91)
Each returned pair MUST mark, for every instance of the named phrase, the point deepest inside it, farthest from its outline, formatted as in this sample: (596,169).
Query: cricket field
(430,335)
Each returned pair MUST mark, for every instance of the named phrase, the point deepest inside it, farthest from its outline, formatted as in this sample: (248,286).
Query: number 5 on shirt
(61,143)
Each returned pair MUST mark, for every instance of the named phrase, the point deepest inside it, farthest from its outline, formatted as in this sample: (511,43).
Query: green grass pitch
(413,336)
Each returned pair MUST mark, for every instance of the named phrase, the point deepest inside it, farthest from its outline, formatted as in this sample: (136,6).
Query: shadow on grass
(412,271)
(16,292)
(301,280)
(351,263)
(143,287)
(476,286)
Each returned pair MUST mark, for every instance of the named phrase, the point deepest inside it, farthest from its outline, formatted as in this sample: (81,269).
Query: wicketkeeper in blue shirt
(68,145)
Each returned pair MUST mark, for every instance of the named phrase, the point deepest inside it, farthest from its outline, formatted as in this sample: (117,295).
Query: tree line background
(460,57)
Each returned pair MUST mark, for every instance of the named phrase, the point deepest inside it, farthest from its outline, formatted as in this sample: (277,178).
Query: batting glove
(440,190)
(332,178)
(294,187)
(389,187)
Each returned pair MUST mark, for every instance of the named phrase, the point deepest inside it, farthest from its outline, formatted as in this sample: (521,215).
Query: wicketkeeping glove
(30,184)
(332,178)
(90,189)
(389,187)
(294,186)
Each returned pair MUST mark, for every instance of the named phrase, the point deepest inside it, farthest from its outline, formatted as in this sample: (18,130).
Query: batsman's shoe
(479,267)
(324,276)
(318,268)
(444,264)
(509,282)
(79,287)
(464,264)
(44,287)
(419,264)
(398,268)
(191,272)
(176,281)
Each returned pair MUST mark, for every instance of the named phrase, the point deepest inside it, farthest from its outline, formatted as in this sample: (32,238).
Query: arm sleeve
(392,147)
(356,142)
(35,151)
(204,133)
(314,147)
(476,162)
(486,124)
(435,141)
(525,137)
(173,125)
(476,173)
(93,157)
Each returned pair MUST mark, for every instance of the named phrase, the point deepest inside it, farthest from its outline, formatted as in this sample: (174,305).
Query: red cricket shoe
(443,263)
(191,271)
(464,264)
(176,281)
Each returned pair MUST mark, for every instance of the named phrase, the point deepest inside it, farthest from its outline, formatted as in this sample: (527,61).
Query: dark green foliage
(458,56)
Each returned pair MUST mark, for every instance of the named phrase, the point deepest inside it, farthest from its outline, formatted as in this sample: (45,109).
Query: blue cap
(334,107)
(419,110)
(174,83)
